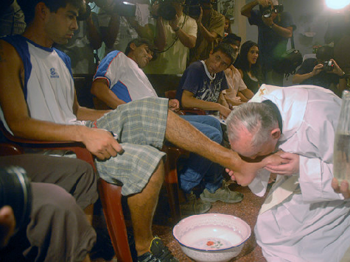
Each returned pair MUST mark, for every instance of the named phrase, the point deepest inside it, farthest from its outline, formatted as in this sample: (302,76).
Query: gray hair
(258,118)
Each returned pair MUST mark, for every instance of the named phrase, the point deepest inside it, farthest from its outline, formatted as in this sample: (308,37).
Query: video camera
(268,10)
(167,11)
(15,191)
(192,8)
(122,8)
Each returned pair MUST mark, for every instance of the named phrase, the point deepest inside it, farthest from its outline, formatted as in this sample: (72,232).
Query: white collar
(207,72)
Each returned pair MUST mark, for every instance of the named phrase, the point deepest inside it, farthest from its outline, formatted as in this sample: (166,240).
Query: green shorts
(140,126)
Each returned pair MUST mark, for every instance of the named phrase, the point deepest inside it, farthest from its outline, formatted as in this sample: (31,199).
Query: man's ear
(276,134)
(133,46)
(41,10)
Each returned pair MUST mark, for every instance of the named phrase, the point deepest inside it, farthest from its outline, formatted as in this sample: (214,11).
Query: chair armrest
(193,111)
(7,149)
(78,148)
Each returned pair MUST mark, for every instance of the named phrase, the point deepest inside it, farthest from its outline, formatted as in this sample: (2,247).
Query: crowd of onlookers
(184,32)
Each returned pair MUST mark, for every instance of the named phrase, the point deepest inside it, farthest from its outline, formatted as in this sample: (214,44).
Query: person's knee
(213,133)
(214,123)
(85,186)
(84,170)
(89,177)
(52,198)
(217,136)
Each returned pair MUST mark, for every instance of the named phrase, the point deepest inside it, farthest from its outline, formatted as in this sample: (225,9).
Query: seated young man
(61,189)
(204,81)
(38,101)
(237,93)
(119,79)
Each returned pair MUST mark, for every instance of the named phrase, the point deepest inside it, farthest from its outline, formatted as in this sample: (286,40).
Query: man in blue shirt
(203,81)
(274,28)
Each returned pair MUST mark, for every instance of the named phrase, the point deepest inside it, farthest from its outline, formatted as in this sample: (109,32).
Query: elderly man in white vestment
(302,219)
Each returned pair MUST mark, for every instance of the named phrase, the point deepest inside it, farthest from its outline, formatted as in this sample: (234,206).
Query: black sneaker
(159,253)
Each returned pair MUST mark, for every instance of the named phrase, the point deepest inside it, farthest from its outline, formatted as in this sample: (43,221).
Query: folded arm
(101,90)
(188,100)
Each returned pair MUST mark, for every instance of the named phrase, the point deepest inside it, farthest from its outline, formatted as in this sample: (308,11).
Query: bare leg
(184,135)
(142,207)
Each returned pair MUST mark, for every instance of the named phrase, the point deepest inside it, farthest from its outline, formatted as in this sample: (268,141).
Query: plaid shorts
(140,126)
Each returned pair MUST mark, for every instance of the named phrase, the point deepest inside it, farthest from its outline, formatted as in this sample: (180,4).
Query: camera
(122,8)
(15,191)
(268,10)
(328,65)
(192,8)
(166,10)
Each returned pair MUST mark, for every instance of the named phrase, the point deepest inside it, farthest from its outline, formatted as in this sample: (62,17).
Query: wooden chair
(174,153)
(9,149)
(110,194)
(171,179)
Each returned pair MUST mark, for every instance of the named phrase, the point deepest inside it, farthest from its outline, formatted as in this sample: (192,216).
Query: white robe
(313,223)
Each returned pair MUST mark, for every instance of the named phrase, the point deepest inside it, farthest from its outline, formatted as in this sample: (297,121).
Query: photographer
(176,33)
(321,71)
(57,229)
(275,28)
(120,23)
(210,31)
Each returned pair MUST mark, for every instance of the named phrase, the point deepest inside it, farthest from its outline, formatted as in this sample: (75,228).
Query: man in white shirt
(174,39)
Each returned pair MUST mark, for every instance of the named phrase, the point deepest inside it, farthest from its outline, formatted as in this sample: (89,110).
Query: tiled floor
(247,210)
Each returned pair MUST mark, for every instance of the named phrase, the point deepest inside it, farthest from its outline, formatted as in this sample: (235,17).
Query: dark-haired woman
(248,66)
